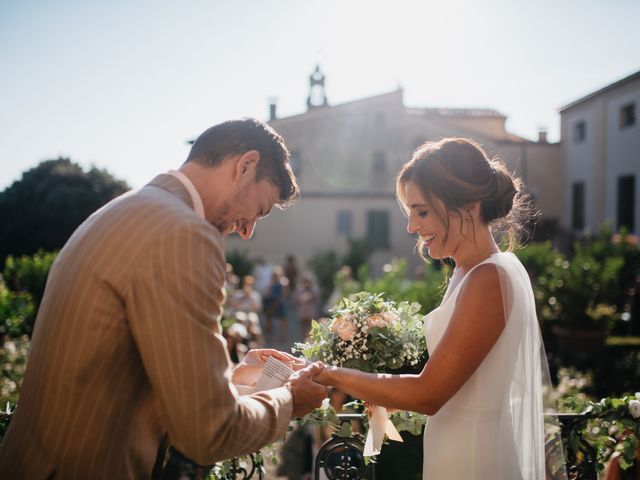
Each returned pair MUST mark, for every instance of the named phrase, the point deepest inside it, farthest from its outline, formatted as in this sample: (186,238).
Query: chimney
(542,135)
(272,109)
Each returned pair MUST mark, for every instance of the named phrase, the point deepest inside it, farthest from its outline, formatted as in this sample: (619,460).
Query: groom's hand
(249,370)
(306,393)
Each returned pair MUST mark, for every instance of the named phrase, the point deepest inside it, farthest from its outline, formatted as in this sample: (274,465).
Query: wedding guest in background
(262,272)
(246,306)
(231,280)
(274,304)
(246,299)
(306,300)
(291,272)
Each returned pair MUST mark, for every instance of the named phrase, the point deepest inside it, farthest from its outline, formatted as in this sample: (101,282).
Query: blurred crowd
(260,306)
(273,307)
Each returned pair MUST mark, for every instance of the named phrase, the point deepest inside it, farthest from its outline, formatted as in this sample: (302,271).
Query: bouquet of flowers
(367,333)
(370,334)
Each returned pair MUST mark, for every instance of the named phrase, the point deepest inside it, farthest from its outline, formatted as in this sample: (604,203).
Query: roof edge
(611,86)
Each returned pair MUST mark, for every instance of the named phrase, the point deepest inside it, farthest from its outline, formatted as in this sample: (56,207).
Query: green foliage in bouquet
(367,333)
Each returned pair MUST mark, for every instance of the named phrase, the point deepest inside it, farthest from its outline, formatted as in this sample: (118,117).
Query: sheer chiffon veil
(536,436)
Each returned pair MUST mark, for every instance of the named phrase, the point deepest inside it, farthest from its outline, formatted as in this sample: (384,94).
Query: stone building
(346,158)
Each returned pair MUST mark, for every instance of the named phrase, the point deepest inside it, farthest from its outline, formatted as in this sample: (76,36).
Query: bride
(482,384)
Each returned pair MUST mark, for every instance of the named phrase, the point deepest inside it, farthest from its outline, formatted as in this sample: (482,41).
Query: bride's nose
(411,225)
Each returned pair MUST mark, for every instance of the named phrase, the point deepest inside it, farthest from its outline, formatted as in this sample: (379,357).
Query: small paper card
(275,374)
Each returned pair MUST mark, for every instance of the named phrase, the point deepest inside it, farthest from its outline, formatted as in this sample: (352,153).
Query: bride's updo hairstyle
(459,173)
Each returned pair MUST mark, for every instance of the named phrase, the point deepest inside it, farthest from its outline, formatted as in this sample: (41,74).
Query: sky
(124,84)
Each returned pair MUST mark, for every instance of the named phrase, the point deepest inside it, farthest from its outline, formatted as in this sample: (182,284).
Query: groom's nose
(247,229)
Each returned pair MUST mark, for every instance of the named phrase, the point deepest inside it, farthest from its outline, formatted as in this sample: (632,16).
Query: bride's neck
(473,251)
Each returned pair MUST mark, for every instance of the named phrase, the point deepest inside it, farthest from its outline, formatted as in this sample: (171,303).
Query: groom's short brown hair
(236,137)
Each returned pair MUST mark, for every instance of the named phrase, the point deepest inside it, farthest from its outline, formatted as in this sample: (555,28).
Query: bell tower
(317,96)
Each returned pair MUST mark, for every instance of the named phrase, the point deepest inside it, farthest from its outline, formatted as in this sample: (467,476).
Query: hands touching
(307,394)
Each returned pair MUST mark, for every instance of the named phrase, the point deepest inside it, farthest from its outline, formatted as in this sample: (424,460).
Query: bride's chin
(432,252)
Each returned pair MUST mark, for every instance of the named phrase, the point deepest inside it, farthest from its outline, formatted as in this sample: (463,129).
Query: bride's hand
(322,377)
(249,370)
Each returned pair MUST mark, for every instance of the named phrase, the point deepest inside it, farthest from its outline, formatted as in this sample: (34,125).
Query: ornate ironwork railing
(179,467)
(342,458)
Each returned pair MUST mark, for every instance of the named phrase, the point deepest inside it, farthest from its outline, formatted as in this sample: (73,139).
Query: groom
(127,354)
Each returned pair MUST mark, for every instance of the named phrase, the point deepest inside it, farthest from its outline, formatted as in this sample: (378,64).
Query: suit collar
(173,186)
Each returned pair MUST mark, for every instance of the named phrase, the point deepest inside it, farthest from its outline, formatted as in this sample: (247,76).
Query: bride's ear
(471,211)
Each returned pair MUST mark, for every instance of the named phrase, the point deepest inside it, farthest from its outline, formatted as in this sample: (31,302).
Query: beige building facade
(346,158)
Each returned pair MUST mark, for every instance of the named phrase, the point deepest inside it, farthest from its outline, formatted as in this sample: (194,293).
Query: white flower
(325,404)
(638,395)
(634,408)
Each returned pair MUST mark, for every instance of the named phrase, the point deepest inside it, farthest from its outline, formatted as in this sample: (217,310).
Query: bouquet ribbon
(379,426)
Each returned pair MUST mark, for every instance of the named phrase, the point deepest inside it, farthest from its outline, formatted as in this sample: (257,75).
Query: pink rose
(390,317)
(382,319)
(376,320)
(344,327)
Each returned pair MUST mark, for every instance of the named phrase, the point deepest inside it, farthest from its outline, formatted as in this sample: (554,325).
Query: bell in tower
(317,96)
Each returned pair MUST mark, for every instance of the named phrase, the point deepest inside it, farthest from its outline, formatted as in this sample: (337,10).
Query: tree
(42,209)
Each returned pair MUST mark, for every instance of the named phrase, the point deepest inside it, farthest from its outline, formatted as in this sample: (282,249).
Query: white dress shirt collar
(195,196)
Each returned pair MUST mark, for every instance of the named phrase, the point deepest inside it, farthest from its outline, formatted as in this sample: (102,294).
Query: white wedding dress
(493,427)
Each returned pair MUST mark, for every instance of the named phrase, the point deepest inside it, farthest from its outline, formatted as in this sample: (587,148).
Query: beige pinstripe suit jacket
(127,350)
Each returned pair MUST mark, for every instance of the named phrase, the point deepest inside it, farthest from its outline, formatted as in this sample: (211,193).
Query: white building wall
(623,153)
(581,162)
(310,227)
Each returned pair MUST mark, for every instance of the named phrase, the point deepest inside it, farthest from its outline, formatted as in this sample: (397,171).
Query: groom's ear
(245,165)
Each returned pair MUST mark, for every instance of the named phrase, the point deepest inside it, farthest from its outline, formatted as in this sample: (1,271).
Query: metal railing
(342,458)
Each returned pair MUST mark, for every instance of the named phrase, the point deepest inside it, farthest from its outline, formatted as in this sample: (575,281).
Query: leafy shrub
(324,265)
(43,208)
(358,253)
(17,313)
(28,273)
(426,290)
(580,291)
(605,245)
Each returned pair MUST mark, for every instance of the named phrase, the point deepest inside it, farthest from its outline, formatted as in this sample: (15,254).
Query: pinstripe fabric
(127,350)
